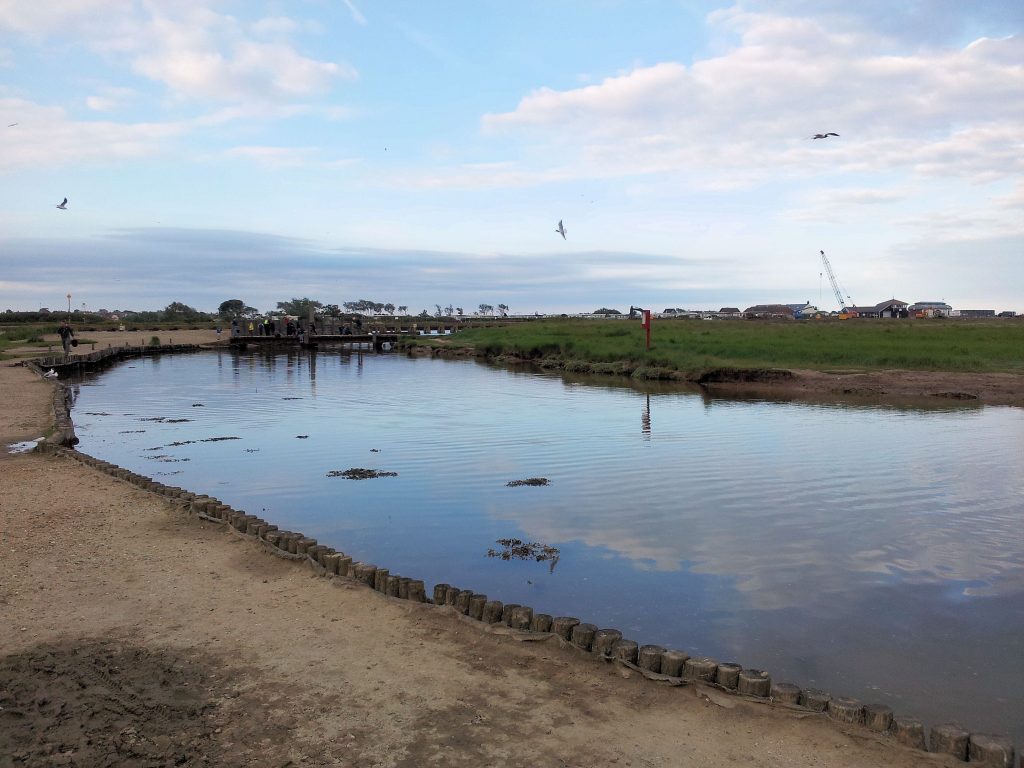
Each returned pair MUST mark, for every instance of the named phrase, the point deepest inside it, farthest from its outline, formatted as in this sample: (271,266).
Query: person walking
(66,333)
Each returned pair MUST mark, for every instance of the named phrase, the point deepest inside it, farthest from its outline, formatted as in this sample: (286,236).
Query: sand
(136,635)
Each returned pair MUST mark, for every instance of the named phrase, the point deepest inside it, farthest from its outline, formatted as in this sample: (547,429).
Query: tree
(231,308)
(503,308)
(438,310)
(178,311)
(389,308)
(605,311)
(486,309)
(298,307)
(333,310)
(449,310)
(403,310)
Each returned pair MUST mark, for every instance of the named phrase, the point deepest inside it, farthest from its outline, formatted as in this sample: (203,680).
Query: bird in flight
(64,205)
(12,125)
(824,135)
(561,229)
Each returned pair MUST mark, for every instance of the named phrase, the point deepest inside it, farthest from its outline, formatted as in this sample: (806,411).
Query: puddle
(24,447)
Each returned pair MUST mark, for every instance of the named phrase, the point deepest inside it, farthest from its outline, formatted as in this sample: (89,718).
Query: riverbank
(135,634)
(922,364)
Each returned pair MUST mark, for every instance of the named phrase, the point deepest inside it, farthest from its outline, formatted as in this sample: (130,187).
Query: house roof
(734,310)
(890,303)
(775,309)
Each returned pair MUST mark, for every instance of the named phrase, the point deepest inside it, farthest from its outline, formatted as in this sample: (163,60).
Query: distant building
(730,312)
(890,308)
(762,311)
(1007,313)
(930,309)
(977,313)
(803,310)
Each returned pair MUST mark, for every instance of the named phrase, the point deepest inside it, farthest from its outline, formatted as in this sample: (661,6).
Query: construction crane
(847,302)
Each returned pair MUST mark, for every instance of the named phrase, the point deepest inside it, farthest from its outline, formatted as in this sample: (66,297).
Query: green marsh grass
(694,345)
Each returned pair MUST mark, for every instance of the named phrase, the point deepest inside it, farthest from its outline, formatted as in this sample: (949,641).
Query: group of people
(271,327)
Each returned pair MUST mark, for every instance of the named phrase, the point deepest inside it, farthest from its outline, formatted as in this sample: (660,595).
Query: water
(874,552)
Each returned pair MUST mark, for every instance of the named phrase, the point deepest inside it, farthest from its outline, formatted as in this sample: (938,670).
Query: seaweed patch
(528,481)
(358,473)
(517,549)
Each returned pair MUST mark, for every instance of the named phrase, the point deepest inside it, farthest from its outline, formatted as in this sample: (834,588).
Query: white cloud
(743,114)
(109,98)
(56,140)
(192,50)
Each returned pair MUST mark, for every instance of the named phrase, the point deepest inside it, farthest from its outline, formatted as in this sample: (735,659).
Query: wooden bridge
(380,342)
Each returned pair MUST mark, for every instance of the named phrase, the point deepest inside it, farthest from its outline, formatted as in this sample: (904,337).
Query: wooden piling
(462,601)
(949,739)
(847,710)
(604,640)
(417,591)
(476,606)
(814,699)
(878,717)
(990,750)
(562,626)
(785,693)
(728,675)
(700,668)
(625,650)
(649,657)
(521,617)
(908,730)
(439,593)
(541,622)
(492,612)
(672,662)
(582,635)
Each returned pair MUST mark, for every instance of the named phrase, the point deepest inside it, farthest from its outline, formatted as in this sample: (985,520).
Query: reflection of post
(312,367)
(645,419)
(647,325)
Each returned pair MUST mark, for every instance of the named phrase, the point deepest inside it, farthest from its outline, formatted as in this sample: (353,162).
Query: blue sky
(422,153)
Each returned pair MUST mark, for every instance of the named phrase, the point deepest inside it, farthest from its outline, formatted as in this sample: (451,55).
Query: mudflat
(134,634)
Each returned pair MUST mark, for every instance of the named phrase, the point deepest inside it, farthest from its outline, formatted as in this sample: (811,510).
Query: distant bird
(50,374)
(12,125)
(824,135)
(64,205)
(561,229)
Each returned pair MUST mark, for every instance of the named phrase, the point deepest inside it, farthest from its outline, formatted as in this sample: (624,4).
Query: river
(874,552)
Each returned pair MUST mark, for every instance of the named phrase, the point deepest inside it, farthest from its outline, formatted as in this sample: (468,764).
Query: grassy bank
(690,346)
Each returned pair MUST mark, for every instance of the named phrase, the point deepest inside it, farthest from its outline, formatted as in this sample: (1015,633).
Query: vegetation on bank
(692,346)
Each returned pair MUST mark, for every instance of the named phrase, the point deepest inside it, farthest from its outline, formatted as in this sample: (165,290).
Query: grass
(695,345)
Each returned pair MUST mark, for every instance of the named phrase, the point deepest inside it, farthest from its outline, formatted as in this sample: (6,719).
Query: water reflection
(811,539)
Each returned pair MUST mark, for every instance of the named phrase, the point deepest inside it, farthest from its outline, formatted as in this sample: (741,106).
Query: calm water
(873,552)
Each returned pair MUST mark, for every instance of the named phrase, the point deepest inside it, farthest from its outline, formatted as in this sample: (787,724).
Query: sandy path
(133,634)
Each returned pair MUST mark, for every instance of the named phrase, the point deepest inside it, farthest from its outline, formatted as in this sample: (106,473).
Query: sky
(423,153)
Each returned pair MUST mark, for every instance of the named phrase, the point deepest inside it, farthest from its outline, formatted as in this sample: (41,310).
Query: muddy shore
(134,634)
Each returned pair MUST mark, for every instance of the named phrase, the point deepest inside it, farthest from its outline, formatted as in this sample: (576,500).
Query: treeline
(179,312)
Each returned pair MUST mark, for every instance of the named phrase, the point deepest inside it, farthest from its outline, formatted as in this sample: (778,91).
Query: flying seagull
(12,125)
(64,205)
(561,229)
(824,135)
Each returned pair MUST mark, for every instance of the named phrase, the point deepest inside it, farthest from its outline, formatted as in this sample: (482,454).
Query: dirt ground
(135,635)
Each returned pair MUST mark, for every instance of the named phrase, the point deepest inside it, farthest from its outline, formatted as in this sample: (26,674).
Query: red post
(646,320)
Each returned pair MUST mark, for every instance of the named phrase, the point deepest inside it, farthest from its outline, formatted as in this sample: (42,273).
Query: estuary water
(874,552)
